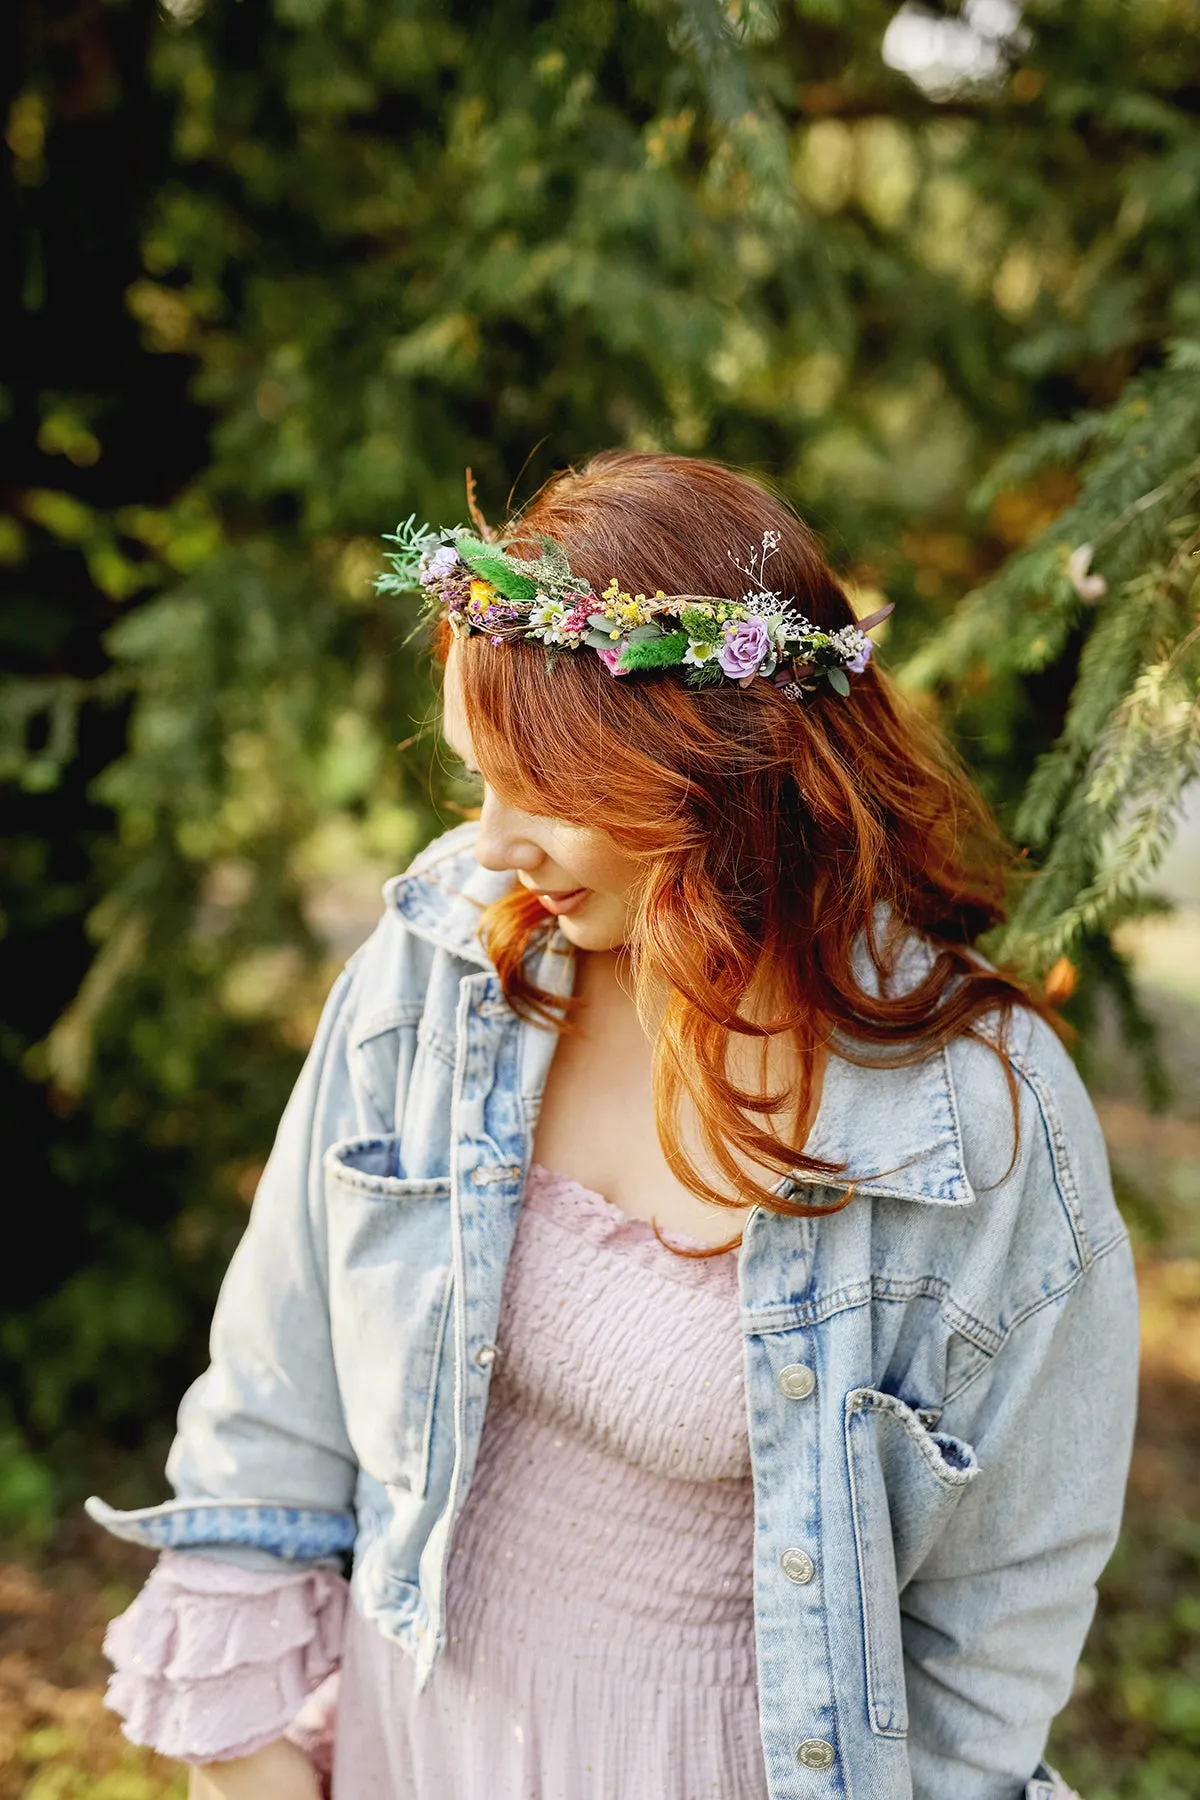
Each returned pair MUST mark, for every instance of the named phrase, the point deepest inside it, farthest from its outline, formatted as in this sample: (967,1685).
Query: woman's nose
(503,841)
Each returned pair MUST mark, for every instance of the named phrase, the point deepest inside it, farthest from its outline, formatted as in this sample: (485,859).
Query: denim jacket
(939,1378)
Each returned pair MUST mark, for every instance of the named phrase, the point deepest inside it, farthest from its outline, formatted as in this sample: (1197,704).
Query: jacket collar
(896,1128)
(443,893)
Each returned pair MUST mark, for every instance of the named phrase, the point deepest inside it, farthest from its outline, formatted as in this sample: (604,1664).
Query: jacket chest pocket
(905,1482)
(389,1303)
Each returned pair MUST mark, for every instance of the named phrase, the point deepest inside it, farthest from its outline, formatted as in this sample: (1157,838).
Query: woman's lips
(564,903)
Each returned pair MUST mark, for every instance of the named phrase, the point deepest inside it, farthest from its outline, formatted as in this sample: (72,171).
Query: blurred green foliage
(284,269)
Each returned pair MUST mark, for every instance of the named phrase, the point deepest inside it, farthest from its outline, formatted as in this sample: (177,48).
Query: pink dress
(600,1601)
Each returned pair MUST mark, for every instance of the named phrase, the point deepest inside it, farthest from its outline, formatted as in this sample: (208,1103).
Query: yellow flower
(482,592)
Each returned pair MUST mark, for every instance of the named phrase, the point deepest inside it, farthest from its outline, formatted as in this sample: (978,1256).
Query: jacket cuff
(290,1533)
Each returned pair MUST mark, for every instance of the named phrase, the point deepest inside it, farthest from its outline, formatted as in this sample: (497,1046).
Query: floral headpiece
(711,638)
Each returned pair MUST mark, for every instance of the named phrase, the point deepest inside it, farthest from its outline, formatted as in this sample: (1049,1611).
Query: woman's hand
(278,1772)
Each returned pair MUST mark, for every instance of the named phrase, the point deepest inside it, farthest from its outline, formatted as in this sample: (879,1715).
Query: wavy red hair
(773,837)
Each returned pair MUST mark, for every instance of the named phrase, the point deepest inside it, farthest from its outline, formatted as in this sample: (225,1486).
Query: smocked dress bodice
(600,1601)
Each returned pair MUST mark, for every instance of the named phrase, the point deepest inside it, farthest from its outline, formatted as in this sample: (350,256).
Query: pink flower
(577,618)
(610,659)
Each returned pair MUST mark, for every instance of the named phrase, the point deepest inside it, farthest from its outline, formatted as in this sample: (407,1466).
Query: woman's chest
(596,1123)
(600,1122)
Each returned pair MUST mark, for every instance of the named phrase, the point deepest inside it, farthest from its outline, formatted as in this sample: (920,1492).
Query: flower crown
(711,638)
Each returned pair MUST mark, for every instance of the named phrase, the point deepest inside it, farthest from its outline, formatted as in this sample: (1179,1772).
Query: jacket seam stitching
(387,1018)
(838,1706)
(1045,1300)
(437,1042)
(874,1705)
(878,1287)
(952,1093)
(1060,1161)
(966,1325)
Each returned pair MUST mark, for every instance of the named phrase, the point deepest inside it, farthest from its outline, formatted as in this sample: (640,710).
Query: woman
(687,1277)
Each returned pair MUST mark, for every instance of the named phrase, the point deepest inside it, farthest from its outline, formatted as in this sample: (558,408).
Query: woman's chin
(596,933)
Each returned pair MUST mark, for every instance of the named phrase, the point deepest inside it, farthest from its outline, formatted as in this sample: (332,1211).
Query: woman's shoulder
(1024,1131)
(1048,1181)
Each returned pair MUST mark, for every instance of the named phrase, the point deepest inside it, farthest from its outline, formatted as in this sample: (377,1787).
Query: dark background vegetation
(278,271)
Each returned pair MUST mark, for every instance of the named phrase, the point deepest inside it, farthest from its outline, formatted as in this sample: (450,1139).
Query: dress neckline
(599,1203)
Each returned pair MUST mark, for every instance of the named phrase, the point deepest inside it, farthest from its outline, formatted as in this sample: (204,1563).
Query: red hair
(773,836)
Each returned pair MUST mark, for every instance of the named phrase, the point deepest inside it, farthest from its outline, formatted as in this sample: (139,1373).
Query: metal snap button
(485,1356)
(797,1381)
(815,1753)
(797,1565)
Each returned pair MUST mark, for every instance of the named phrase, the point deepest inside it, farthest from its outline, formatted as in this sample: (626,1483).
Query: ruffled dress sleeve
(214,1660)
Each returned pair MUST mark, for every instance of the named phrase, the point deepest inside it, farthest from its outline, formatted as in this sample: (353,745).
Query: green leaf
(839,681)
(664,652)
(498,569)
(699,625)
(704,674)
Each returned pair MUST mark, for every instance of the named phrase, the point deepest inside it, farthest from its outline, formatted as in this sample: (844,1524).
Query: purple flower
(859,661)
(440,566)
(747,643)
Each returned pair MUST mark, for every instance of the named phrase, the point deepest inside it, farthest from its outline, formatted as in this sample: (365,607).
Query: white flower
(761,601)
(699,650)
(546,619)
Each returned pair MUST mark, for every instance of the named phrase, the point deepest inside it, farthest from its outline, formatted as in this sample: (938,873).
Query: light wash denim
(940,1378)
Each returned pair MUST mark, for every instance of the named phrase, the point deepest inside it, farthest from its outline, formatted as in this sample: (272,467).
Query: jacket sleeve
(995,1618)
(261,1462)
